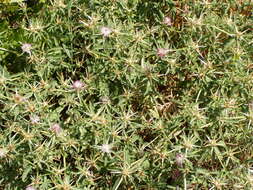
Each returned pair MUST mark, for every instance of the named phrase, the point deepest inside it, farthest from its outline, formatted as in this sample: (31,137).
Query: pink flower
(105,31)
(161,52)
(106,148)
(26,48)
(30,188)
(176,174)
(78,85)
(56,128)
(167,21)
(180,159)
(34,119)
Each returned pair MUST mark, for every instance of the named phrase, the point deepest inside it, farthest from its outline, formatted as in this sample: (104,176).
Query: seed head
(161,52)
(78,85)
(167,21)
(26,48)
(56,128)
(105,31)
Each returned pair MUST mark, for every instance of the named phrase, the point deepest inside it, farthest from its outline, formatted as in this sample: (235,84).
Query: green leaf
(26,172)
(117,183)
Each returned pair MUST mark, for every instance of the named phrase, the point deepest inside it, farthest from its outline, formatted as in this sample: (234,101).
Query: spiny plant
(132,94)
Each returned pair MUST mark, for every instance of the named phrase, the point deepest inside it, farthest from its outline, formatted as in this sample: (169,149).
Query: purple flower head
(56,128)
(26,48)
(105,31)
(161,52)
(34,119)
(176,174)
(30,188)
(106,148)
(167,21)
(77,85)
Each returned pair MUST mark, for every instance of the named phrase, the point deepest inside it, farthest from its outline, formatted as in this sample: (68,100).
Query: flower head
(56,128)
(106,148)
(34,119)
(105,31)
(167,21)
(180,159)
(161,52)
(176,174)
(26,48)
(78,85)
(30,188)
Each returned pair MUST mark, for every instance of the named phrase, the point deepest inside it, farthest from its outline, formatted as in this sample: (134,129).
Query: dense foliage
(126,94)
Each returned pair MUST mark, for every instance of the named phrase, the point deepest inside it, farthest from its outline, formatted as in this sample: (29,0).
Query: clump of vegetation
(131,94)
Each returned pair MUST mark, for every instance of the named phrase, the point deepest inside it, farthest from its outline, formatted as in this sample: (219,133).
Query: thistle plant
(132,94)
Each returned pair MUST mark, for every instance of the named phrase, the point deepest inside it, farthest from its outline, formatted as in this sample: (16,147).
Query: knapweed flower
(3,152)
(167,21)
(180,159)
(78,85)
(26,48)
(30,188)
(161,52)
(56,128)
(34,119)
(105,31)
(106,148)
